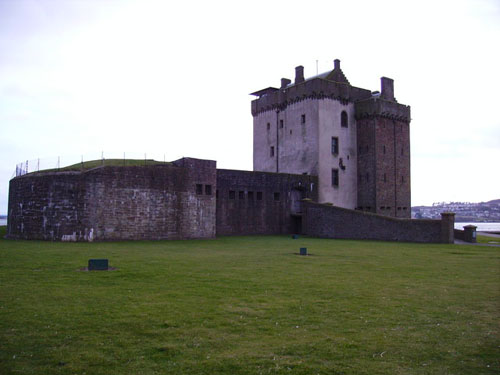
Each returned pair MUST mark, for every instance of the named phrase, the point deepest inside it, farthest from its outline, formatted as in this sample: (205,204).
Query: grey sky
(172,78)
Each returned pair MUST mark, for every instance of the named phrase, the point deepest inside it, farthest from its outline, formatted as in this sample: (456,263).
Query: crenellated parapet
(378,107)
(330,85)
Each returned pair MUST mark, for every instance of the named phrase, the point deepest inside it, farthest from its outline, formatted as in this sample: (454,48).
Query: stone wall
(334,222)
(260,202)
(166,201)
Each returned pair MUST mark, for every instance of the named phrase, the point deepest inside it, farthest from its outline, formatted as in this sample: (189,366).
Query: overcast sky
(171,79)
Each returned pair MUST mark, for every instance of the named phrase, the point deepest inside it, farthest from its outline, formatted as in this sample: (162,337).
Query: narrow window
(208,189)
(402,179)
(290,131)
(232,194)
(199,189)
(272,151)
(402,152)
(217,194)
(281,124)
(268,126)
(276,196)
(344,121)
(259,195)
(250,195)
(241,195)
(335,145)
(385,177)
(335,177)
(303,119)
(384,150)
(367,177)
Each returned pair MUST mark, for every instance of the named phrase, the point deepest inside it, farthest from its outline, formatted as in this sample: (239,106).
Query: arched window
(343,119)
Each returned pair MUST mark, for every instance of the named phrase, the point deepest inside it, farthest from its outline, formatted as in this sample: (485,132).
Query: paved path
(488,234)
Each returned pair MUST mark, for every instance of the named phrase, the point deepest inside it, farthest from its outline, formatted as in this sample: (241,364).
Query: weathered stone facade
(356,142)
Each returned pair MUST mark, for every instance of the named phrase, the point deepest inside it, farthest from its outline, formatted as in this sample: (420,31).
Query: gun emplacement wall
(167,201)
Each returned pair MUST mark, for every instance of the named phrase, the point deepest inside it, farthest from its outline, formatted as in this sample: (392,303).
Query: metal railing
(72,162)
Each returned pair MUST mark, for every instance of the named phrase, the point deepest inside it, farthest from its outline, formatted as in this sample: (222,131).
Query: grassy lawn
(249,305)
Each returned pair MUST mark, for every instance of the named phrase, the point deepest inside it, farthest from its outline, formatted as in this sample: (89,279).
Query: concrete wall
(115,203)
(345,195)
(334,222)
(247,202)
(295,144)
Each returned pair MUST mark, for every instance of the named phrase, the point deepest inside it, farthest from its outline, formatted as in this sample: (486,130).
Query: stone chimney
(299,74)
(285,82)
(387,91)
(336,64)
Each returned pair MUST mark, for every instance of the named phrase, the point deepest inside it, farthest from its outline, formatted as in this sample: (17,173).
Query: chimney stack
(336,64)
(299,74)
(285,82)
(387,91)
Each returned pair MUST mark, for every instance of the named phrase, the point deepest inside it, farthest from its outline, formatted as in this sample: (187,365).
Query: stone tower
(310,126)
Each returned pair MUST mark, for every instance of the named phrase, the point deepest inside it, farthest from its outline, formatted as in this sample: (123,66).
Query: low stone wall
(326,221)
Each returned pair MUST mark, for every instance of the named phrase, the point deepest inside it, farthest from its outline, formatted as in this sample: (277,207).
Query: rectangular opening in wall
(199,189)
(385,177)
(272,151)
(281,124)
(250,195)
(303,119)
(241,195)
(208,189)
(268,126)
(232,194)
(335,145)
(259,195)
(335,177)
(217,194)
(276,196)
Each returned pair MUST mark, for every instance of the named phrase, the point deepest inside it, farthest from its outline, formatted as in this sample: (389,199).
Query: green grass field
(249,305)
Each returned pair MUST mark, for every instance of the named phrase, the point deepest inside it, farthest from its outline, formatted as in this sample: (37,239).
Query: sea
(3,222)
(481,227)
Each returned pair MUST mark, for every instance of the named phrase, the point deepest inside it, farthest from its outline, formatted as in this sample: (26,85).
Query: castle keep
(356,141)
(330,160)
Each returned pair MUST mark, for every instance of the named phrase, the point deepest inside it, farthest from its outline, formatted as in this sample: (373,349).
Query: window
(259,195)
(268,126)
(402,179)
(335,145)
(199,189)
(335,177)
(344,121)
(385,177)
(232,194)
(241,195)
(402,152)
(272,151)
(384,150)
(276,196)
(217,194)
(208,189)
(367,177)
(303,119)
(250,195)
(281,124)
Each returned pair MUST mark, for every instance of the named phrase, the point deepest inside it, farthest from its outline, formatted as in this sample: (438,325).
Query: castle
(356,141)
(330,160)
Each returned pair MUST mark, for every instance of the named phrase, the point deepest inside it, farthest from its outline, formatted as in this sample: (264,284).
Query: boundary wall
(327,221)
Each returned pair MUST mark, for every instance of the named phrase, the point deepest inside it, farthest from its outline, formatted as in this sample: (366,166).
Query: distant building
(356,141)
